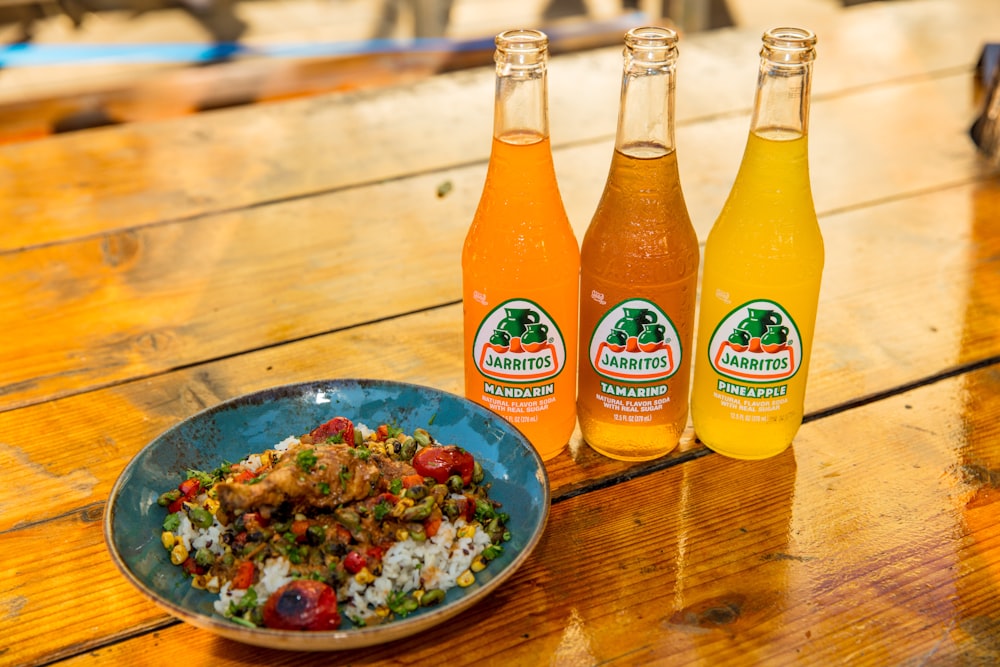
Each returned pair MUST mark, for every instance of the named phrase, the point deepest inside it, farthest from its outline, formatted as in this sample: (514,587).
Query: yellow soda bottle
(639,272)
(762,271)
(521,263)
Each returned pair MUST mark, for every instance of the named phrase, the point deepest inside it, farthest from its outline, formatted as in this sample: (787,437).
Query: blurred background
(72,64)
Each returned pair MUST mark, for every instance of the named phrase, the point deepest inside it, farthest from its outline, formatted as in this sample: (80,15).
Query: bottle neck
(520,113)
(646,112)
(781,106)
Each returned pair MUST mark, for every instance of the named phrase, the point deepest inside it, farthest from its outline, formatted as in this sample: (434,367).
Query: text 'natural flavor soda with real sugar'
(639,272)
(521,263)
(763,265)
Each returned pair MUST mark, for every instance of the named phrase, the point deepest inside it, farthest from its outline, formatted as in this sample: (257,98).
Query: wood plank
(73,469)
(113,308)
(93,436)
(111,179)
(872,540)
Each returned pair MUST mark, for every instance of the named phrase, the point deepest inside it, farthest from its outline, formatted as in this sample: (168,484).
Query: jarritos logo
(635,341)
(757,342)
(519,342)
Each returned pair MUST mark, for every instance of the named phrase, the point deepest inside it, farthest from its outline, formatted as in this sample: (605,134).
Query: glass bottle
(521,263)
(763,265)
(639,271)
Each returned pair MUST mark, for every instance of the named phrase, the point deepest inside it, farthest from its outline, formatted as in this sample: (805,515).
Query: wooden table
(153,269)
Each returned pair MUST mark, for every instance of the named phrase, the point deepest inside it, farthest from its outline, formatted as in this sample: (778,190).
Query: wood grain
(111,308)
(835,551)
(110,179)
(148,272)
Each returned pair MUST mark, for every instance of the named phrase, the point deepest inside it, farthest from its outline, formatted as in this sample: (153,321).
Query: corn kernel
(465,579)
(178,554)
(417,594)
(468,530)
(211,505)
(199,581)
(168,540)
(364,576)
(478,564)
(402,534)
(401,506)
(381,612)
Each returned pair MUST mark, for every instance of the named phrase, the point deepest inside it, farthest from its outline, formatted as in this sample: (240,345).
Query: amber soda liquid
(521,264)
(639,272)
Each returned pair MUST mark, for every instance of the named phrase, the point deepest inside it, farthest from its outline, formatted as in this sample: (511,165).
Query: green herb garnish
(306,460)
(172,522)
(381,509)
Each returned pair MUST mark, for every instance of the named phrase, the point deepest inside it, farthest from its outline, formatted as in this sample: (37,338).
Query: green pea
(204,557)
(417,492)
(432,597)
(419,512)
(200,517)
(455,483)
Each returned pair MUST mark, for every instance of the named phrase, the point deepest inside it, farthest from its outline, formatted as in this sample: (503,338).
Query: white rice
(406,566)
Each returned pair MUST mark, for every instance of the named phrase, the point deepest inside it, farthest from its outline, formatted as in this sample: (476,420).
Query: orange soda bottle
(639,272)
(763,265)
(521,263)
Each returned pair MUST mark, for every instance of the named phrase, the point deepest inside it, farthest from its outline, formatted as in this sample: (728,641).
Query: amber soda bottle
(639,272)
(521,263)
(763,264)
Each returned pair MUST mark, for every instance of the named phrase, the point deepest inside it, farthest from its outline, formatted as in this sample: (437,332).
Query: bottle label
(757,342)
(517,342)
(635,342)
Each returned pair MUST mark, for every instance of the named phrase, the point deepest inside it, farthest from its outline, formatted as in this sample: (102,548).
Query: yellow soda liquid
(760,288)
(637,303)
(520,291)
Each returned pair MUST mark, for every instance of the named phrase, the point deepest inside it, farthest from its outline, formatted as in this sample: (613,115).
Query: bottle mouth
(789,45)
(651,44)
(521,46)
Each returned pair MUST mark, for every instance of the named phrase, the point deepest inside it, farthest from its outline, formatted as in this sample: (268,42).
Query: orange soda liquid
(638,286)
(763,265)
(520,291)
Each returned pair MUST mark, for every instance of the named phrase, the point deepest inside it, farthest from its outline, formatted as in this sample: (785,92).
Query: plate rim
(326,640)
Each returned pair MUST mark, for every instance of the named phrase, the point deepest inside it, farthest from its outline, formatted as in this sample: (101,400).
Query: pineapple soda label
(754,350)
(634,350)
(519,350)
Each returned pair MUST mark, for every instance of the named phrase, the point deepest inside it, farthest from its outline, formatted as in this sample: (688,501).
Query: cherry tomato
(354,562)
(382,433)
(191,567)
(244,476)
(177,505)
(299,529)
(243,578)
(443,462)
(341,427)
(190,487)
(303,604)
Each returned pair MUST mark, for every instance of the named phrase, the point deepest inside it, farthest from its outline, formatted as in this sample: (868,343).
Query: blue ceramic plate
(252,423)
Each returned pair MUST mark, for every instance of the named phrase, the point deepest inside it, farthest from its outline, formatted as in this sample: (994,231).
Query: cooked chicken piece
(325,476)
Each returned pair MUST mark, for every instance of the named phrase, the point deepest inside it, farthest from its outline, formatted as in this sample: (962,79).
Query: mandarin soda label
(635,348)
(755,344)
(519,350)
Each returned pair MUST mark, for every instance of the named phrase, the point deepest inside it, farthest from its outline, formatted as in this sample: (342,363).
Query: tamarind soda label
(635,342)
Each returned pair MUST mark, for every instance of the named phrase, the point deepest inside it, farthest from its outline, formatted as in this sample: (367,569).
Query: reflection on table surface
(154,268)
